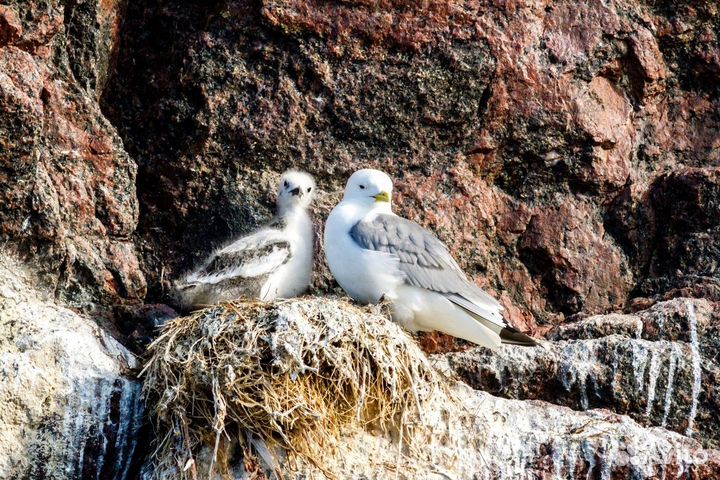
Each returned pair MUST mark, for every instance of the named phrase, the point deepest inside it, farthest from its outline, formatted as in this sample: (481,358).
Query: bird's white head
(296,190)
(369,188)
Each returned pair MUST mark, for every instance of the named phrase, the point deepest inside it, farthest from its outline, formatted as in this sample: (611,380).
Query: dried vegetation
(283,377)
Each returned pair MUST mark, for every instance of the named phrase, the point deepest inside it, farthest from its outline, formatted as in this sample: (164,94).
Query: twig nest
(288,374)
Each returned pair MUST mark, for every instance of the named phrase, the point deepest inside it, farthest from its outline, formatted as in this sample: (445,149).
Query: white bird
(375,254)
(274,262)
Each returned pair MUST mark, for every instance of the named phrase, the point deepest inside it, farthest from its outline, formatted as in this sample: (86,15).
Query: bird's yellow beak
(382,197)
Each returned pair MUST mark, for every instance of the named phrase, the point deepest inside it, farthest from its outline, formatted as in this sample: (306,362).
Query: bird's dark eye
(285,184)
(362,187)
(309,188)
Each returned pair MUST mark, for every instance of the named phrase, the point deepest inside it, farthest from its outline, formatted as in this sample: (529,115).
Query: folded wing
(253,256)
(426,263)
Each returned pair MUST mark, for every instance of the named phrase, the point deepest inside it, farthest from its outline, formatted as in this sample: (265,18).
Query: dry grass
(288,375)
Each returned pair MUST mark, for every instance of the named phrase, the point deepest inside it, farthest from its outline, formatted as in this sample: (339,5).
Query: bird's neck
(381,207)
(352,212)
(294,216)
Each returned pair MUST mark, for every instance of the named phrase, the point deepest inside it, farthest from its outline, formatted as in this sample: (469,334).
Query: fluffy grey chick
(273,262)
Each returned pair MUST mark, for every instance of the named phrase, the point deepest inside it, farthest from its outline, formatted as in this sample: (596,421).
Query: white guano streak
(696,367)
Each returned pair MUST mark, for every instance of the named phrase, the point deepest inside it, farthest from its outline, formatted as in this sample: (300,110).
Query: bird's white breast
(293,278)
(365,275)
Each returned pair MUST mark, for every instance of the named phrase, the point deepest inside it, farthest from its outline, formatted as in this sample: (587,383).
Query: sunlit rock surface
(467,434)
(659,366)
(71,407)
(486,437)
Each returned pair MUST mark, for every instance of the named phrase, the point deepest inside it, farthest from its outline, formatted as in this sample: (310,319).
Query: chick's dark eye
(362,187)
(285,184)
(309,188)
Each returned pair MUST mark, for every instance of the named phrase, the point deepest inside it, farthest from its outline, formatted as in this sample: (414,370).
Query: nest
(290,374)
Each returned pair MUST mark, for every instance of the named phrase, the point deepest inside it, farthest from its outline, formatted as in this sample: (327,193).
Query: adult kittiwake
(375,254)
(273,262)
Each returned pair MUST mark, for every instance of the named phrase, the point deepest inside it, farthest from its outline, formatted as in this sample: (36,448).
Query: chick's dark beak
(296,191)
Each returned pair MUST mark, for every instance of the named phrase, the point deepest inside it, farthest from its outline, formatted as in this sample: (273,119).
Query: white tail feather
(419,309)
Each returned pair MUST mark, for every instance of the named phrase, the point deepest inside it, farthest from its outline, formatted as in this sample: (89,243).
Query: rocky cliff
(72,405)
(568,153)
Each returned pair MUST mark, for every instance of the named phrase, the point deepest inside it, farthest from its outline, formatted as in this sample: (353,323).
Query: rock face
(486,437)
(72,407)
(659,366)
(69,205)
(686,250)
(554,147)
(544,142)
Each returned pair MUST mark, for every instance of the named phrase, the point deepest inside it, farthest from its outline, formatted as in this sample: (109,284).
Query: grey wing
(426,262)
(256,255)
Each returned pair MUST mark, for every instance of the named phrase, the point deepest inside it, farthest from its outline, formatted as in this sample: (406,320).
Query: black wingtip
(513,336)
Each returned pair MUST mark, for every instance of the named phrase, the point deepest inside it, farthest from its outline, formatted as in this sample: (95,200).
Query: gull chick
(273,262)
(375,254)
